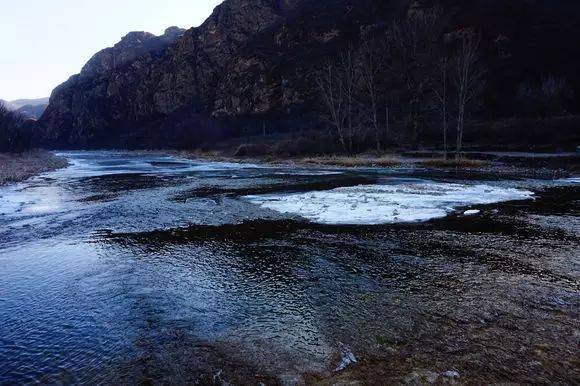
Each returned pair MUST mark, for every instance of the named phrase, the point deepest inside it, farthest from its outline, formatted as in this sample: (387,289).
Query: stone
(451,374)
(347,358)
(421,377)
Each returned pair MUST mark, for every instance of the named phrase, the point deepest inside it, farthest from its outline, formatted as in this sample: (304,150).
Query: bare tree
(338,86)
(387,121)
(468,80)
(331,90)
(412,45)
(372,56)
(441,98)
(349,73)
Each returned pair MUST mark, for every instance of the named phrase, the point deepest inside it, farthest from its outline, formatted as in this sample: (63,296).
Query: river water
(146,268)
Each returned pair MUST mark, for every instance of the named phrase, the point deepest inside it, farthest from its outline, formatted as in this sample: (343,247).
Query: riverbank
(501,164)
(19,167)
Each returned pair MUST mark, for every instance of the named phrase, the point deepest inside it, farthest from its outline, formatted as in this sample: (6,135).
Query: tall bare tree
(412,45)
(338,86)
(441,97)
(469,77)
(371,59)
(349,73)
(332,92)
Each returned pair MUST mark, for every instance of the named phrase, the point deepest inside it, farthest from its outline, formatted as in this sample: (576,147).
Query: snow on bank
(385,204)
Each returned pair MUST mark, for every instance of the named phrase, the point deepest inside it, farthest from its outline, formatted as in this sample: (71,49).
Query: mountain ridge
(27,108)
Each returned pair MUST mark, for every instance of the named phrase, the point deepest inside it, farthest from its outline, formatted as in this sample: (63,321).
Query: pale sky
(44,42)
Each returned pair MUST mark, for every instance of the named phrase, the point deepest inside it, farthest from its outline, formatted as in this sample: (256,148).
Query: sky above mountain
(45,42)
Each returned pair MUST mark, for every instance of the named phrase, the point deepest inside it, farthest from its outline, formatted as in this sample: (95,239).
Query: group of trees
(13,137)
(408,73)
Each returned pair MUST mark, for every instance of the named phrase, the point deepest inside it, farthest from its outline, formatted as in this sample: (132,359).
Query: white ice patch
(309,173)
(384,204)
(572,180)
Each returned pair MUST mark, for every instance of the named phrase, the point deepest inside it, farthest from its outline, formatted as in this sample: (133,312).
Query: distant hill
(19,103)
(32,111)
(28,108)
(7,104)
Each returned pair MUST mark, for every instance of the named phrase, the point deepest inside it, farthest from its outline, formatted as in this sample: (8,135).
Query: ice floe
(383,204)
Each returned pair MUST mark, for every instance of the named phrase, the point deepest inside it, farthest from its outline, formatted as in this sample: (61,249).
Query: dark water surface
(141,268)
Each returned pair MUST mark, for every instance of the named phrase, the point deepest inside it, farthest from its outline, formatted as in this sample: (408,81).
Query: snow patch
(384,204)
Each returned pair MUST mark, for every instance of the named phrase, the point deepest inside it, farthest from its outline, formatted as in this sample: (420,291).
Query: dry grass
(353,162)
(18,167)
(453,163)
(208,155)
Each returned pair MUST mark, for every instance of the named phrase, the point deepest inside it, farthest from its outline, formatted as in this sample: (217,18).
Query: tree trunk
(387,122)
(460,123)
(444,101)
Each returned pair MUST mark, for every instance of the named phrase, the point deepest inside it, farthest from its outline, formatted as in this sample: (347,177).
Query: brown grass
(18,167)
(353,162)
(453,163)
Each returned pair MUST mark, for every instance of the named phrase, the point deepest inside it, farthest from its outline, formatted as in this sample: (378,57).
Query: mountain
(7,104)
(32,111)
(19,103)
(253,64)
(27,108)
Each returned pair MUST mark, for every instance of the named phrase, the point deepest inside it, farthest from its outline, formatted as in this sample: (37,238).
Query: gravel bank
(19,167)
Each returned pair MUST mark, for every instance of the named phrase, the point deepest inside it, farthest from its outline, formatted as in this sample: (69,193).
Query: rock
(291,379)
(535,364)
(347,358)
(451,374)
(421,377)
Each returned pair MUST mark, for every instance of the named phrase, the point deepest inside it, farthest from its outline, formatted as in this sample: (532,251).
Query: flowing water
(142,268)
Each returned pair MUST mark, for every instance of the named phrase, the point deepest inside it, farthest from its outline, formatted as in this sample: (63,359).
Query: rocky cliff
(251,64)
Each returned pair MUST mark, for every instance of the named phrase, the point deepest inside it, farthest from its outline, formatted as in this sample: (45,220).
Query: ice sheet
(384,204)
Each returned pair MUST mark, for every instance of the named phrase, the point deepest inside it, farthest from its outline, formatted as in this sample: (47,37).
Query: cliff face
(251,61)
(251,58)
(145,79)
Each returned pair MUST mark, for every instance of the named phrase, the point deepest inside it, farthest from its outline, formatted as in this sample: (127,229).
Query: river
(148,268)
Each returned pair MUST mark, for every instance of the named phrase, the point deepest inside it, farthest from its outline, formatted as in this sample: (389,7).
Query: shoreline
(20,167)
(518,164)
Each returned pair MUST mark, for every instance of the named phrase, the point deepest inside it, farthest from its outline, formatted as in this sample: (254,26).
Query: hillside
(251,68)
(27,108)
